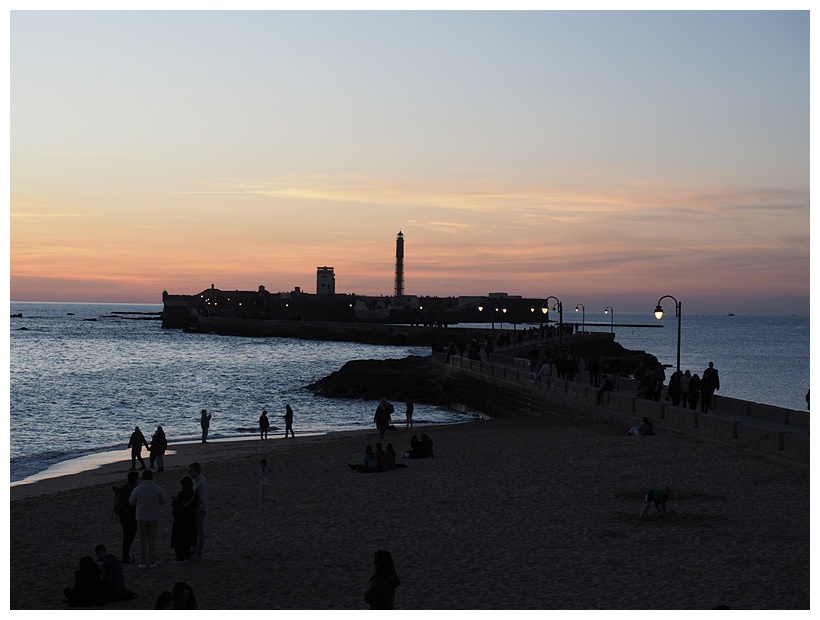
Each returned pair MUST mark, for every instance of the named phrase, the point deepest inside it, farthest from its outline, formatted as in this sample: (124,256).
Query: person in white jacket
(148,496)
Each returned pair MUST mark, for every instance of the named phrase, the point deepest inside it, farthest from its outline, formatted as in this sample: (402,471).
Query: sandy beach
(517,513)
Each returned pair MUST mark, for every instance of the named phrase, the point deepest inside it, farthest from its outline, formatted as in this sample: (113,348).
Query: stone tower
(399,289)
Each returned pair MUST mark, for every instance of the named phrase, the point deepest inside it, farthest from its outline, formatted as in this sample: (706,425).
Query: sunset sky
(607,158)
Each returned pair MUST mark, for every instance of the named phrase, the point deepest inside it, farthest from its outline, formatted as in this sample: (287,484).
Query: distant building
(325,281)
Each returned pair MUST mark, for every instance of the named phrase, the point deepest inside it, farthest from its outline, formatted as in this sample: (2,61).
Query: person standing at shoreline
(409,413)
(159,444)
(205,423)
(147,497)
(135,443)
(382,417)
(202,492)
(264,425)
(288,421)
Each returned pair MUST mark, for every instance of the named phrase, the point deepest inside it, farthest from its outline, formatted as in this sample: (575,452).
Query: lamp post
(583,316)
(545,309)
(659,316)
(609,310)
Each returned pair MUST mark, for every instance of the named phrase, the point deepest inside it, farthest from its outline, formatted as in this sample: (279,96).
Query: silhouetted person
(183,529)
(264,425)
(641,429)
(409,413)
(135,443)
(88,586)
(694,391)
(127,515)
(382,417)
(708,384)
(183,596)
(159,444)
(617,367)
(165,600)
(369,461)
(288,421)
(264,482)
(148,497)
(112,575)
(205,423)
(202,492)
(606,387)
(383,583)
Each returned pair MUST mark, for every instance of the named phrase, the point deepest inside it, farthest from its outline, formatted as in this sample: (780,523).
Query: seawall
(764,428)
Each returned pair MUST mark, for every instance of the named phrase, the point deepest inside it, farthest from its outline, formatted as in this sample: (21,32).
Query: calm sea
(83,375)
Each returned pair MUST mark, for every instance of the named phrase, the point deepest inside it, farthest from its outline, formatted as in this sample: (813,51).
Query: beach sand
(510,514)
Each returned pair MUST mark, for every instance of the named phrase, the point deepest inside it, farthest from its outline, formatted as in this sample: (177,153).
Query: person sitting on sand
(369,461)
(426,445)
(391,458)
(165,600)
(644,428)
(184,596)
(383,583)
(381,457)
(112,575)
(659,497)
(88,587)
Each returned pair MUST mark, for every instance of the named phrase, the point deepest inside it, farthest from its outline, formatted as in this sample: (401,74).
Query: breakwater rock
(411,378)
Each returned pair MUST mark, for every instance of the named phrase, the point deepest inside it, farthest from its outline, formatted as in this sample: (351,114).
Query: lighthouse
(399,288)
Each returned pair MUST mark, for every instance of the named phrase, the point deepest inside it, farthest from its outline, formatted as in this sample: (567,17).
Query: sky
(602,157)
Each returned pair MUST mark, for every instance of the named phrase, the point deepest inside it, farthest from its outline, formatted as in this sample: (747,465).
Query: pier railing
(766,428)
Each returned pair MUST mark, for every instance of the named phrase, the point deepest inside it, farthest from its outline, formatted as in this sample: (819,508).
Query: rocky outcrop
(397,380)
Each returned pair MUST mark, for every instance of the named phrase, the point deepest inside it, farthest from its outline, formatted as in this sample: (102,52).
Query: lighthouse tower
(399,289)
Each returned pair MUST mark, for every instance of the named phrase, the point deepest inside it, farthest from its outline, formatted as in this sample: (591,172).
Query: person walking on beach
(409,413)
(183,529)
(264,482)
(202,492)
(264,425)
(383,583)
(382,417)
(127,515)
(159,444)
(205,423)
(135,443)
(288,421)
(148,497)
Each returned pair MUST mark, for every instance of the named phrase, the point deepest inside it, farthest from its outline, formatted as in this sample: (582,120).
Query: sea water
(83,375)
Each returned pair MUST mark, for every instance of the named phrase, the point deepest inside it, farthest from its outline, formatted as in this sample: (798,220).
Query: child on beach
(264,482)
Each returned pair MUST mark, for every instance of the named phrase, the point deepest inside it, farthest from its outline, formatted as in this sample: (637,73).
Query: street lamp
(583,316)
(545,309)
(609,310)
(659,316)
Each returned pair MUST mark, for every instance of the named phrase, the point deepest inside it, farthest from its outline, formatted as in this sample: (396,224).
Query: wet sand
(510,514)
